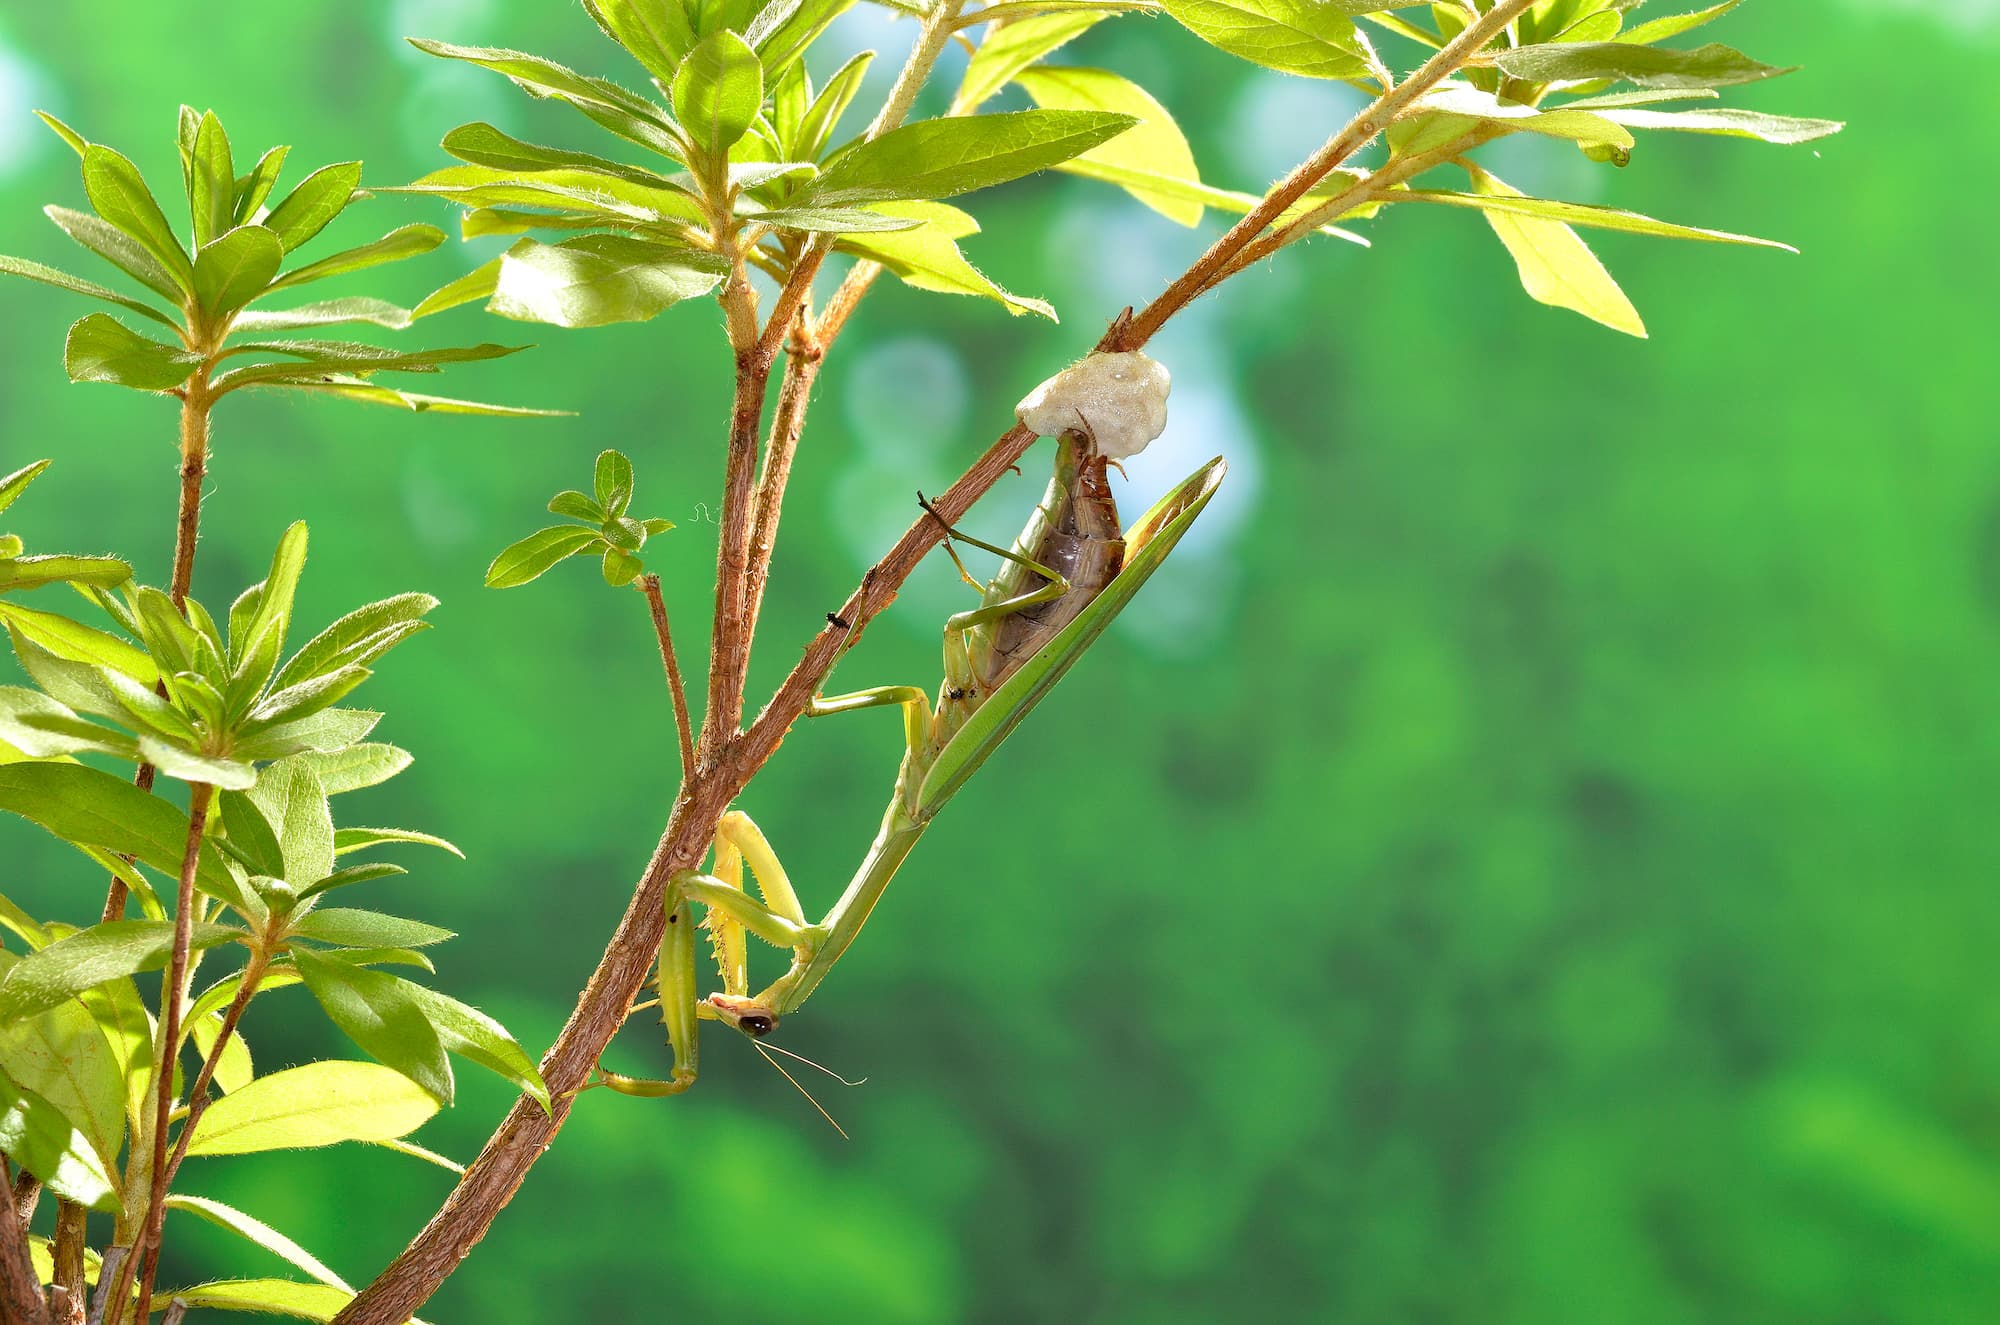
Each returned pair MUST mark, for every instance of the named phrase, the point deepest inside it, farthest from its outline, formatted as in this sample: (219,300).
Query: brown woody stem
(649,585)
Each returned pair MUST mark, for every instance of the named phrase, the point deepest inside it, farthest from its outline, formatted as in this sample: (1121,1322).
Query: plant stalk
(649,585)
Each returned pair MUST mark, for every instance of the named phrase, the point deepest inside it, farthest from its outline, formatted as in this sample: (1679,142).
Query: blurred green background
(1528,859)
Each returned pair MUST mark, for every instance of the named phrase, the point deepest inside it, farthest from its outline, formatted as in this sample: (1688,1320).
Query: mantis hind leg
(960,674)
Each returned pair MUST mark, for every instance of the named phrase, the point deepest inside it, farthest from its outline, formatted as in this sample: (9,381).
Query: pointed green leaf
(1660,29)
(330,313)
(107,241)
(211,183)
(102,349)
(597,280)
(62,280)
(62,1056)
(718,90)
(823,116)
(358,766)
(377,1013)
(274,1297)
(1783,129)
(479,283)
(93,808)
(1154,145)
(371,394)
(1713,65)
(939,158)
(1556,266)
(356,638)
(471,1034)
(259,1232)
(308,209)
(655,32)
(119,194)
(349,928)
(1309,37)
(91,957)
(928,258)
(236,268)
(16,483)
(614,482)
(357,839)
(36,1135)
(255,187)
(233,1068)
(1010,48)
(76,142)
(319,1104)
(289,796)
(404,242)
(528,559)
(1584,214)
(17,573)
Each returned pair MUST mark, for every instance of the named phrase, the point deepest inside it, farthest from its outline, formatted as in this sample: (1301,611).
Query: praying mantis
(1071,571)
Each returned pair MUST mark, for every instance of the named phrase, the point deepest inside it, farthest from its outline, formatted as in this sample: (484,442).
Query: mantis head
(754,1019)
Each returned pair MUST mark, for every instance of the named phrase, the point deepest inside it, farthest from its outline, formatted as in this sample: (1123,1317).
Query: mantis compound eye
(754,1019)
(1121,397)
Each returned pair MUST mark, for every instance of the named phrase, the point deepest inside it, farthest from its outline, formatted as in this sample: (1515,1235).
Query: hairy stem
(172,995)
(649,585)
(198,1100)
(803,355)
(194,468)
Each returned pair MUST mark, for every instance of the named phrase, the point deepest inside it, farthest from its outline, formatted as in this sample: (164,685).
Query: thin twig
(649,585)
(803,356)
(172,994)
(198,1099)
(1373,118)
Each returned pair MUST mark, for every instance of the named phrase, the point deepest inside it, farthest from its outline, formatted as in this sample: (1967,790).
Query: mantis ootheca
(1071,571)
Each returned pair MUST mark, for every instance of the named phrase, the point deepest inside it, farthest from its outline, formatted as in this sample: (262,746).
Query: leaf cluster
(597,526)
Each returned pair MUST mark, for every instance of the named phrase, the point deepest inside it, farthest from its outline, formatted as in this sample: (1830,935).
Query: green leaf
(274,1297)
(211,183)
(119,194)
(316,358)
(1556,266)
(1154,145)
(473,1035)
(1660,29)
(616,197)
(479,283)
(614,482)
(116,247)
(576,506)
(404,242)
(322,733)
(654,32)
(62,1056)
(233,1067)
(928,258)
(16,483)
(62,280)
(255,187)
(1579,213)
(1713,65)
(823,116)
(1011,47)
(76,142)
(833,220)
(481,144)
(1461,104)
(1783,129)
(90,957)
(371,394)
(319,1104)
(101,349)
(546,78)
(236,268)
(597,280)
(781,32)
(621,567)
(358,637)
(251,836)
(18,573)
(289,796)
(377,1013)
(302,700)
(127,1027)
(41,728)
(356,767)
(308,209)
(939,158)
(348,877)
(36,1135)
(176,761)
(93,808)
(356,839)
(1306,37)
(256,1230)
(330,313)
(349,928)
(528,559)
(718,90)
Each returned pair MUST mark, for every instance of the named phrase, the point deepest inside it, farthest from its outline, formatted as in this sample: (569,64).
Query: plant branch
(66,1253)
(730,759)
(173,994)
(804,353)
(1375,117)
(195,407)
(649,585)
(198,1100)
(20,1288)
